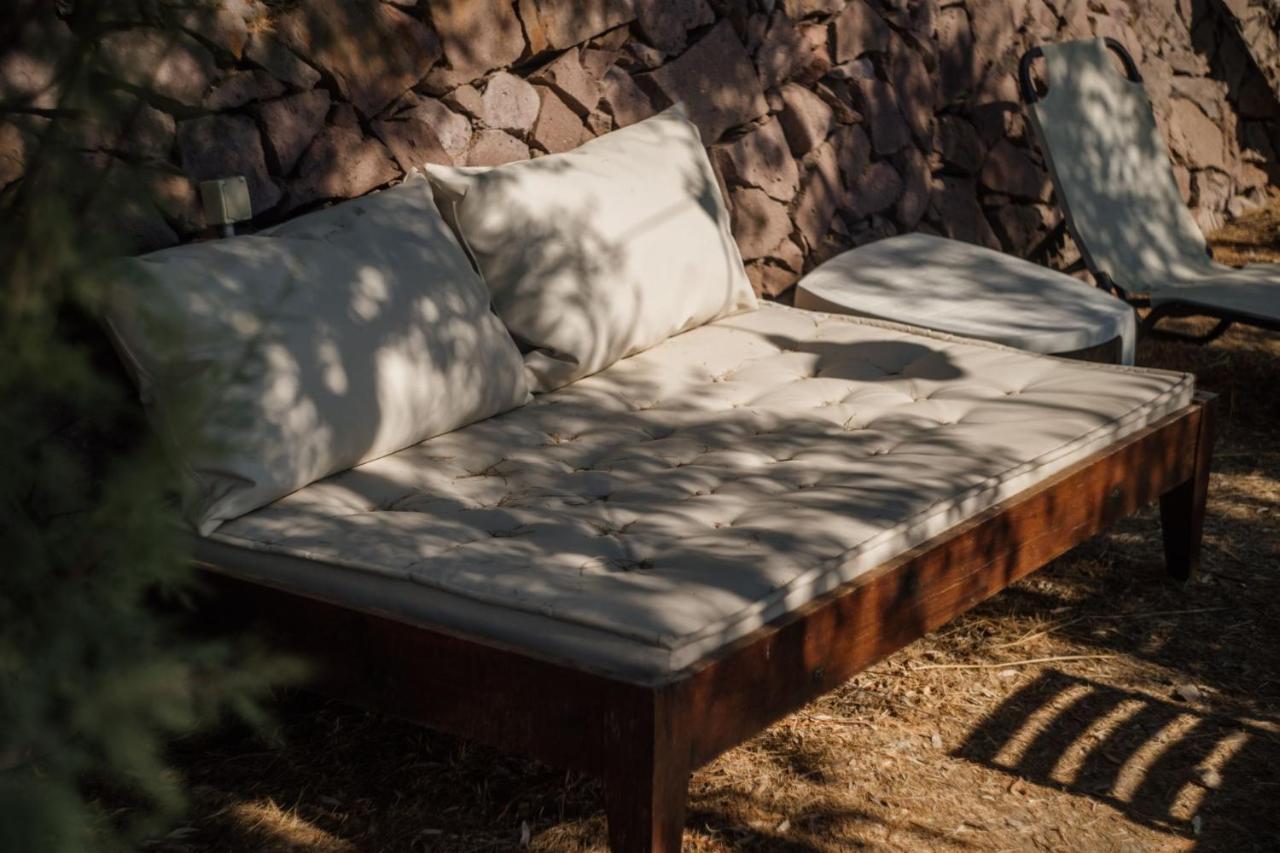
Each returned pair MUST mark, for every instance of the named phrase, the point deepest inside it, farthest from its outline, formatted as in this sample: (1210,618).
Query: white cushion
(642,518)
(323,343)
(969,290)
(603,251)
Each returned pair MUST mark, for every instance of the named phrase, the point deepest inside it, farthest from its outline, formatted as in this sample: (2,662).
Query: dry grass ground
(1094,706)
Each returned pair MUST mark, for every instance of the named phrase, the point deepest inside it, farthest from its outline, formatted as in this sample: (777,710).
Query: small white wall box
(226,202)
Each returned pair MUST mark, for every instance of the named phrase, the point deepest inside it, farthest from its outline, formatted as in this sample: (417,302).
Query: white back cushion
(320,344)
(602,251)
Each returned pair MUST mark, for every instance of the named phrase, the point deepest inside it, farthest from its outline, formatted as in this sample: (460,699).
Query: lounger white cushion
(338,338)
(602,251)
(644,517)
(1114,180)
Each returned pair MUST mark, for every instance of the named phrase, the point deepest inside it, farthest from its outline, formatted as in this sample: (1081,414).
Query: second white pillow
(603,251)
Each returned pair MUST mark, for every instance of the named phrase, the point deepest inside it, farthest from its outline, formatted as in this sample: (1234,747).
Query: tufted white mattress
(637,520)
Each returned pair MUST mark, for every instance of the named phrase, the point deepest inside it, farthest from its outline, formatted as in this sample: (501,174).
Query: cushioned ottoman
(638,520)
(956,287)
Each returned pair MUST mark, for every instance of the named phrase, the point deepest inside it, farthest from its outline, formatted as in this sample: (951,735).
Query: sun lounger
(1116,186)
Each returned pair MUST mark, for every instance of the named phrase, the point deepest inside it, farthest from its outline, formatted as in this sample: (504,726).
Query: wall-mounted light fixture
(226,202)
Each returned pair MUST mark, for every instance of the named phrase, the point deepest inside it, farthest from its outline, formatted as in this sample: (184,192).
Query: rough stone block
(666,23)
(789,255)
(820,194)
(876,190)
(954,207)
(509,103)
(494,148)
(29,63)
(172,65)
(915,87)
(959,145)
(1211,190)
(289,125)
(716,82)
(579,88)
(853,152)
(839,97)
(478,36)
(241,88)
(776,56)
(813,56)
(637,56)
(758,222)
(127,124)
(856,31)
(1023,227)
(806,119)
(452,129)
(175,196)
(624,99)
(373,51)
(411,142)
(769,279)
(917,181)
(797,9)
(995,25)
(761,159)
(224,24)
(341,164)
(889,131)
(955,53)
(570,22)
(1009,170)
(280,62)
(596,62)
(557,127)
(466,99)
(1197,139)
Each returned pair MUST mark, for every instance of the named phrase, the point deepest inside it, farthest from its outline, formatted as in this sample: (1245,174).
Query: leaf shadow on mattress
(1160,763)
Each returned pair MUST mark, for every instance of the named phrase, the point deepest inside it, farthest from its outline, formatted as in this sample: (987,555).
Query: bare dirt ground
(1095,706)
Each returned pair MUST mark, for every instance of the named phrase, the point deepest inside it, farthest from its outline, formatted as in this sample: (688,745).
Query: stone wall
(830,122)
(1258,24)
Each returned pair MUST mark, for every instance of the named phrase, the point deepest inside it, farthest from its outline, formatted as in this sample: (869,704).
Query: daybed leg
(646,810)
(647,786)
(1182,507)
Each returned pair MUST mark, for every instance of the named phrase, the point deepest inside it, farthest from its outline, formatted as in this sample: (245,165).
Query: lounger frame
(644,739)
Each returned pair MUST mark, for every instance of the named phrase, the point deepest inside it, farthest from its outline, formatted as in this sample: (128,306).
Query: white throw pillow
(329,341)
(602,251)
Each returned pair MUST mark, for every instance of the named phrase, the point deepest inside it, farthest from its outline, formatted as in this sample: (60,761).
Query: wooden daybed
(644,724)
(517,454)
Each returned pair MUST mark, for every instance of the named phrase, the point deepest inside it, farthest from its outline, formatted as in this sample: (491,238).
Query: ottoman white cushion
(969,290)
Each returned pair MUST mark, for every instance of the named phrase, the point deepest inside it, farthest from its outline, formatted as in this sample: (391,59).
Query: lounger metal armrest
(1027,88)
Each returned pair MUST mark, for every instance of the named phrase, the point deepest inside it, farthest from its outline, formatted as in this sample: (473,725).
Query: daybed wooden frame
(645,739)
